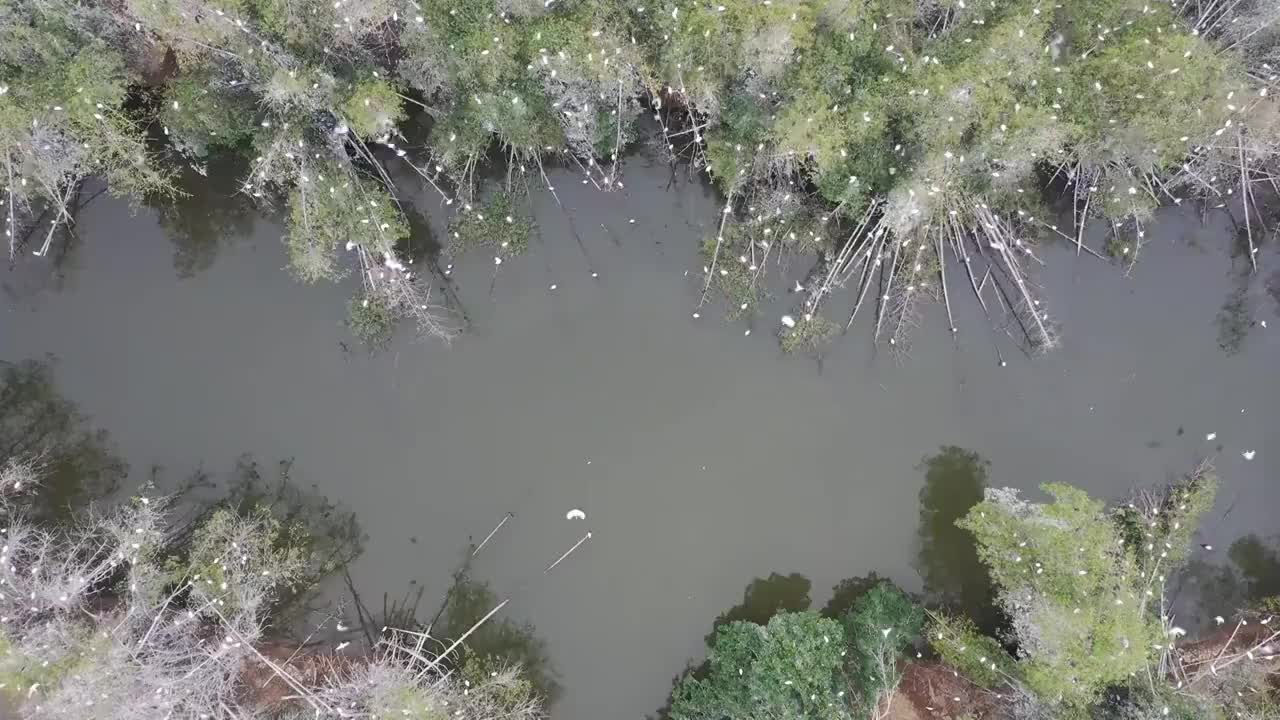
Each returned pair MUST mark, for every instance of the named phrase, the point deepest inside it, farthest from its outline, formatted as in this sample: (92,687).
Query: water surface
(703,457)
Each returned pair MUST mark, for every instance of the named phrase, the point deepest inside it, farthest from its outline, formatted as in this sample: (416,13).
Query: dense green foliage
(1076,594)
(496,225)
(1082,586)
(790,668)
(1084,630)
(771,658)
(980,658)
(884,135)
(370,321)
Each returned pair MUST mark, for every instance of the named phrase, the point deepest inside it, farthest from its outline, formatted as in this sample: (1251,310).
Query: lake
(703,457)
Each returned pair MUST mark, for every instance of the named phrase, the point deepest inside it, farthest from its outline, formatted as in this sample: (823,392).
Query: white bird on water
(575,514)
(1248,454)
(788,321)
(1210,436)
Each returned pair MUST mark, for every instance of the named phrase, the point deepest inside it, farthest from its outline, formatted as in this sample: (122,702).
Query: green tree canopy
(790,668)
(1082,586)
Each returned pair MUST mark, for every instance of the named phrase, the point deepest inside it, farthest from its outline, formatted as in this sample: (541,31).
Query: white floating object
(1248,454)
(575,514)
(497,260)
(1219,619)
(1211,436)
(553,286)
(788,321)
(747,331)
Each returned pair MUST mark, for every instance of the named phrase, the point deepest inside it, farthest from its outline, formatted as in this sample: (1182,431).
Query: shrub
(1079,584)
(881,625)
(497,225)
(790,667)
(201,117)
(372,108)
(810,333)
(980,658)
(329,210)
(370,320)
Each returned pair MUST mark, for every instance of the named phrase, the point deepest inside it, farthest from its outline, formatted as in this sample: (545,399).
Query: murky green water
(702,457)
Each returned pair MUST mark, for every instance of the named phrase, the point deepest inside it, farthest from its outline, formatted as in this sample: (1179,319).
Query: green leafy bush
(883,623)
(1079,585)
(791,667)
(810,333)
(373,108)
(497,225)
(978,657)
(370,319)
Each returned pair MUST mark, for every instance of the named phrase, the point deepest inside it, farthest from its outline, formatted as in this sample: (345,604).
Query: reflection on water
(333,535)
(1258,563)
(501,640)
(848,591)
(764,598)
(946,556)
(1249,574)
(207,212)
(78,463)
